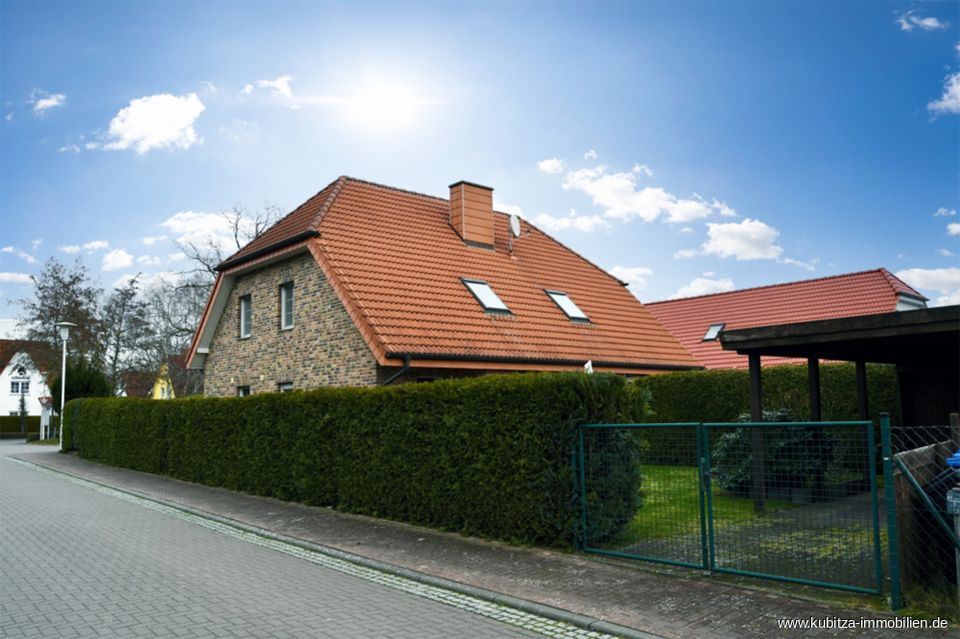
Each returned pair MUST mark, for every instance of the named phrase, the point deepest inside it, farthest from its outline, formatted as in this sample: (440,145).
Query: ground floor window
(285,387)
(243,391)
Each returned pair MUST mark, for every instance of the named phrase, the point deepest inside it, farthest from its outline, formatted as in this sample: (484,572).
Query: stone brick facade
(324,347)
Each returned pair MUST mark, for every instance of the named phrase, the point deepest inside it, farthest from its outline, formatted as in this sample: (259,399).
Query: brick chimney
(471,213)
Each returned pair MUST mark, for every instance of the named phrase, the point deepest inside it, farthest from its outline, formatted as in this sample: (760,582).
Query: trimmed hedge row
(488,455)
(10,424)
(724,395)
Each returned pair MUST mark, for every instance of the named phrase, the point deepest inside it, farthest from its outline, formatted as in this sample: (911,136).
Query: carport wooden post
(816,415)
(756,435)
(862,400)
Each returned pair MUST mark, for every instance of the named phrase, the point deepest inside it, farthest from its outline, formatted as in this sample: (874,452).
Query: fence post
(893,541)
(583,489)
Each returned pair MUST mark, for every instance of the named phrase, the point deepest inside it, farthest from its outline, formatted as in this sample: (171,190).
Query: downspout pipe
(403,369)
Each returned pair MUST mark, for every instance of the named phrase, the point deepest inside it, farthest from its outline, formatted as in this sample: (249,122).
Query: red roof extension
(396,264)
(852,294)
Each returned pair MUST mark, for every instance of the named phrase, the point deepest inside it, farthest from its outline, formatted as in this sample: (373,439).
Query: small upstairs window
(713,332)
(245,316)
(489,300)
(567,306)
(286,306)
(243,391)
(285,387)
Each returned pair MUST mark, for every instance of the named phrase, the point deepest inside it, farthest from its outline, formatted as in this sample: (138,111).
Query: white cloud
(586,223)
(29,259)
(150,240)
(746,240)
(279,88)
(910,20)
(945,252)
(69,248)
(723,209)
(95,245)
(69,148)
(154,122)
(150,260)
(202,229)
(148,280)
(8,117)
(635,276)
(953,228)
(687,230)
(247,89)
(116,259)
(944,212)
(590,155)
(807,266)
(43,101)
(35,244)
(551,165)
(176,257)
(642,168)
(617,193)
(945,281)
(704,286)
(949,102)
(15,278)
(509,209)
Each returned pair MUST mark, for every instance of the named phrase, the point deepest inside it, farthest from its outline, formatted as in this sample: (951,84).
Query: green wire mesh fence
(928,542)
(791,501)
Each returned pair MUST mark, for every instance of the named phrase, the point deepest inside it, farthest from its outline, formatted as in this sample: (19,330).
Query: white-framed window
(286,306)
(246,316)
(25,387)
(285,387)
(713,332)
(566,305)
(488,299)
(243,391)
(14,388)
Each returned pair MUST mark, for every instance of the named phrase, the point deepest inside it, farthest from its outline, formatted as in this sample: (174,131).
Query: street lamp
(64,336)
(21,372)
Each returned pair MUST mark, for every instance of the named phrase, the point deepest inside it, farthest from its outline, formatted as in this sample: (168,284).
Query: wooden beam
(759,473)
(862,400)
(813,380)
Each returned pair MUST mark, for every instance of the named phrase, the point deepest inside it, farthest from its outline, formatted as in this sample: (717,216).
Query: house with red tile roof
(23,366)
(366,284)
(698,321)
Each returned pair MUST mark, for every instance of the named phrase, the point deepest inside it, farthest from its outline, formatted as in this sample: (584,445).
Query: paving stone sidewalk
(629,595)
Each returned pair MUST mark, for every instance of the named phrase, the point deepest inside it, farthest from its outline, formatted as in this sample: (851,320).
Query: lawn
(671,506)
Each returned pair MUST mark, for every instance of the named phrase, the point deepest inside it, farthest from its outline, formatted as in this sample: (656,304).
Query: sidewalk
(629,595)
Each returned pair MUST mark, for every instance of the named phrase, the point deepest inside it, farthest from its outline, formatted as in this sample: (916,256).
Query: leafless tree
(243,225)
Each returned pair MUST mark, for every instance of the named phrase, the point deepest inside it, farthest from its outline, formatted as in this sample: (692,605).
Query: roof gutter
(498,359)
(266,250)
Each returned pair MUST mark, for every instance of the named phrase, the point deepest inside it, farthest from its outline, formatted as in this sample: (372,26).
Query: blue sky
(686,147)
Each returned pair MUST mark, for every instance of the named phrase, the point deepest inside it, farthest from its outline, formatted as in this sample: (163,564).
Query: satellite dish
(515,224)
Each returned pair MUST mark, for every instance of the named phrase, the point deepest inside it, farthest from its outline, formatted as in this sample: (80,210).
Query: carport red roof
(863,293)
(396,263)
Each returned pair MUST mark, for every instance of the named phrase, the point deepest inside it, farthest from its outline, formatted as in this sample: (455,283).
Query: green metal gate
(792,501)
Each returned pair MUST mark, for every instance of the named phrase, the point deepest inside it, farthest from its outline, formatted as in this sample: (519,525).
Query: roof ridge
(893,280)
(407,191)
(765,286)
(337,186)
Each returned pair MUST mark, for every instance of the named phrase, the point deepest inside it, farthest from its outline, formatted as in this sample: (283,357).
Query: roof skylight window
(489,300)
(567,306)
(713,332)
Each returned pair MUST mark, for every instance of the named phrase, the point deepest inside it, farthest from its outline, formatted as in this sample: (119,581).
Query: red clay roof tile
(851,294)
(397,264)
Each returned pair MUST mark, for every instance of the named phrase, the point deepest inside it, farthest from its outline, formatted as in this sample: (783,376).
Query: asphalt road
(78,562)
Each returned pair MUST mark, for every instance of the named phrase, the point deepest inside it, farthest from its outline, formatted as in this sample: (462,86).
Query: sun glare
(385,106)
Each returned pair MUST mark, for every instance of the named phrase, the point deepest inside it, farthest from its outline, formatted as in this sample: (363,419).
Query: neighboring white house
(20,375)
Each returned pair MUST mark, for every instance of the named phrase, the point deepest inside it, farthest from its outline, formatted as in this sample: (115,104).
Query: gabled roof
(396,264)
(863,293)
(10,347)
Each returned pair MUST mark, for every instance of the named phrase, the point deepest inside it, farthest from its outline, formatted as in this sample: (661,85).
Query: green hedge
(10,424)
(488,455)
(723,395)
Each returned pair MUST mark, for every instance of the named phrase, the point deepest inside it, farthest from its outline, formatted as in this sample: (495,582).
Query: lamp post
(64,336)
(21,372)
